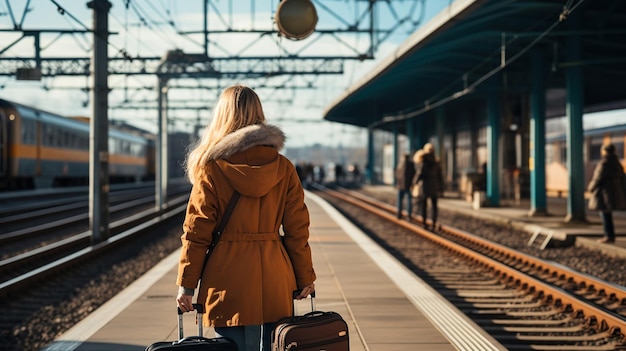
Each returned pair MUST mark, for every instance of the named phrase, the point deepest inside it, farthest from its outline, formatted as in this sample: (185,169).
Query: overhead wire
(63,11)
(167,17)
(150,23)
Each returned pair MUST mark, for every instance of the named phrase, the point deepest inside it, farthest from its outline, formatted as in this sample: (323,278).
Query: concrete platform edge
(74,337)
(461,331)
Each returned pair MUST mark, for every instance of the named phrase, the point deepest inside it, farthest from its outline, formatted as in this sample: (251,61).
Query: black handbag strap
(217,232)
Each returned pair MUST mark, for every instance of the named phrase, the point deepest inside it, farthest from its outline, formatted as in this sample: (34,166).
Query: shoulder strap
(217,233)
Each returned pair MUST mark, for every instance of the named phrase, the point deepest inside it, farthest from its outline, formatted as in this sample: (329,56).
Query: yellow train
(39,149)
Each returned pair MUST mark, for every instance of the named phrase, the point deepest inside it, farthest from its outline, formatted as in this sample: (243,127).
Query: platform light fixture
(296,19)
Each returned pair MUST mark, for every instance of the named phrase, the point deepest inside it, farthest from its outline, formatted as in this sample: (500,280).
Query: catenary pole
(99,126)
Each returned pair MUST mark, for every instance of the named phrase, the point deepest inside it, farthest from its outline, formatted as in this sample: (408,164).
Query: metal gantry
(215,62)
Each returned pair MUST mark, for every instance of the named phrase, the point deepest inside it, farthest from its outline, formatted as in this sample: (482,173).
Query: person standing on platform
(430,177)
(249,279)
(607,190)
(417,190)
(405,171)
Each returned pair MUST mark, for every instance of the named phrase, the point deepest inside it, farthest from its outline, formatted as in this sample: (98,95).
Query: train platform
(386,306)
(549,228)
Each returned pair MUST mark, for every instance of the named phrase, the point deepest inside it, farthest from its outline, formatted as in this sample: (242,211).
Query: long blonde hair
(238,107)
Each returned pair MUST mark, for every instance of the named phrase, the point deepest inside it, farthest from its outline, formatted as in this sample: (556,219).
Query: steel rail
(15,284)
(609,290)
(555,295)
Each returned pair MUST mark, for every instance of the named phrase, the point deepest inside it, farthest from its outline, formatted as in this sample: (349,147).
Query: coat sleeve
(596,179)
(439,178)
(296,227)
(200,220)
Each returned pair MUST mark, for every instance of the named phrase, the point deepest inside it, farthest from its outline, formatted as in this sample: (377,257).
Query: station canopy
(449,60)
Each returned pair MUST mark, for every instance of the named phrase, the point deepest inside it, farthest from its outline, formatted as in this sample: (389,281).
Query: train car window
(481,145)
(482,136)
(115,146)
(139,150)
(28,132)
(54,136)
(24,134)
(71,140)
(463,150)
(63,139)
(47,135)
(550,153)
(595,145)
(82,142)
(562,153)
(67,139)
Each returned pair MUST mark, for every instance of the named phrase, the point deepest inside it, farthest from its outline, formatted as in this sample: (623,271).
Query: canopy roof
(449,60)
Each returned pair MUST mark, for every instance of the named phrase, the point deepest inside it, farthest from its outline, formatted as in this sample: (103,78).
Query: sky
(153,27)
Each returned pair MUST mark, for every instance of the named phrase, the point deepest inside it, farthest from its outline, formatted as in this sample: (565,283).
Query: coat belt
(251,237)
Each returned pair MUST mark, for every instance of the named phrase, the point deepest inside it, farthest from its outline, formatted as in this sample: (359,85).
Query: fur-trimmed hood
(249,160)
(245,138)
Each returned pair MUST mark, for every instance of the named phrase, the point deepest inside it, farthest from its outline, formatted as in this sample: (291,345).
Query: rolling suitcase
(200,343)
(194,343)
(314,331)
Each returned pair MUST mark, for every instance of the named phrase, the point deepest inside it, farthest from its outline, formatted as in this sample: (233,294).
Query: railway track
(45,291)
(524,302)
(59,247)
(29,227)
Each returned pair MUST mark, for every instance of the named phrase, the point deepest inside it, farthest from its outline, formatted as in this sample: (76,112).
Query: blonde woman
(248,281)
(430,177)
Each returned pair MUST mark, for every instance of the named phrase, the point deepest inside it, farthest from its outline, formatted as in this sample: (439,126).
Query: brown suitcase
(316,330)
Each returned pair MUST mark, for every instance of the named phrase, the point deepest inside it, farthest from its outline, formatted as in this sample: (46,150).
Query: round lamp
(296,19)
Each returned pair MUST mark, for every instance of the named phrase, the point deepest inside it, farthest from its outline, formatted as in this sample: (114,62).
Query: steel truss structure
(217,62)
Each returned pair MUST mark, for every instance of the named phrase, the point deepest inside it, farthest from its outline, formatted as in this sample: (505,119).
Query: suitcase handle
(295,295)
(196,306)
(200,312)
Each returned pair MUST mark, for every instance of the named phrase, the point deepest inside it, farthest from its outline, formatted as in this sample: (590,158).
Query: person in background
(417,190)
(248,282)
(607,190)
(405,171)
(431,178)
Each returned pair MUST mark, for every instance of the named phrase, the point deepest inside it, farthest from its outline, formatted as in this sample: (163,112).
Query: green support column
(99,126)
(537,162)
(471,118)
(454,171)
(395,148)
(493,147)
(370,157)
(574,110)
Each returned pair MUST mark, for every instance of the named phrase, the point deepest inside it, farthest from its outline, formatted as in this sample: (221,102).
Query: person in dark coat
(416,186)
(607,190)
(430,180)
(404,178)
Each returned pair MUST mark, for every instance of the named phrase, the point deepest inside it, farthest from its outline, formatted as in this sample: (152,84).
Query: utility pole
(161,148)
(99,126)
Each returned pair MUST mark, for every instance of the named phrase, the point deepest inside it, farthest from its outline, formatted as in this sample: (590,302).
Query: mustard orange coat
(250,276)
